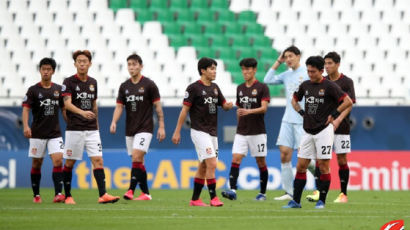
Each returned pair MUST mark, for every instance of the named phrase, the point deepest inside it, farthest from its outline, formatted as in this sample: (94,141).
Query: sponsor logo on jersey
(393,225)
(210,100)
(69,152)
(77,88)
(216,92)
(48,102)
(141,90)
(254,92)
(56,94)
(40,95)
(186,95)
(92,88)
(34,151)
(209,151)
(321,92)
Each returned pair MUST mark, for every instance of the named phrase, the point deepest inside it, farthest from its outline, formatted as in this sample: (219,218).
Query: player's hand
(176,138)
(228,105)
(329,119)
(242,112)
(113,127)
(27,132)
(161,134)
(336,124)
(88,115)
(281,58)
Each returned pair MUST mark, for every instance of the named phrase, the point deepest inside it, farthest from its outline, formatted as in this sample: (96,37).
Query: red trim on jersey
(223,102)
(325,177)
(296,97)
(76,76)
(354,101)
(266,99)
(341,75)
(237,104)
(342,97)
(200,81)
(300,176)
(26,105)
(120,102)
(323,78)
(66,94)
(155,100)
(187,103)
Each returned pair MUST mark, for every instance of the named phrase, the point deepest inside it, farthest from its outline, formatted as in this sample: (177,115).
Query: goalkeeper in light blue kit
(291,128)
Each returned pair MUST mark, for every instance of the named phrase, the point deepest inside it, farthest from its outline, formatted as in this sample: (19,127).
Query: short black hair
(248,62)
(48,61)
(87,53)
(334,56)
(135,57)
(204,63)
(316,61)
(292,49)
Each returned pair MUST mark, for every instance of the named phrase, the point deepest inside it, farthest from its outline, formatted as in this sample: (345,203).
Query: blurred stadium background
(372,37)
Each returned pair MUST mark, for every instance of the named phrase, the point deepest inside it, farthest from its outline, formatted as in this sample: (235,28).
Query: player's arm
(227,106)
(339,113)
(64,113)
(72,108)
(176,137)
(25,116)
(95,111)
(260,110)
(116,116)
(342,116)
(271,77)
(161,124)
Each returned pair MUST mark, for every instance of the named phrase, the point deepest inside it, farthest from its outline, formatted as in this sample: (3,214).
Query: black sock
(35,180)
(263,172)
(134,177)
(324,186)
(58,179)
(99,176)
(67,176)
(298,186)
(233,176)
(317,176)
(344,177)
(198,185)
(211,184)
(141,174)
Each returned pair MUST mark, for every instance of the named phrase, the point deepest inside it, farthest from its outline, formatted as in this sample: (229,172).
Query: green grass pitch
(169,210)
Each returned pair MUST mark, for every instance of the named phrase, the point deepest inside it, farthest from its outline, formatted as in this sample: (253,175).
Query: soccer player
(291,128)
(325,103)
(138,95)
(252,98)
(44,99)
(201,100)
(342,142)
(80,100)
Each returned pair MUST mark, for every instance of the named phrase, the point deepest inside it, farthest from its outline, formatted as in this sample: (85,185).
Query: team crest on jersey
(34,151)
(92,88)
(69,152)
(321,92)
(126,91)
(254,92)
(141,90)
(56,94)
(209,151)
(203,92)
(216,92)
(40,95)
(240,93)
(77,88)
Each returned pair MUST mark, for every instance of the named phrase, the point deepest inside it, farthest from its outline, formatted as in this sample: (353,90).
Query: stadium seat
(179,5)
(219,4)
(118,4)
(184,15)
(163,15)
(178,40)
(205,52)
(239,5)
(198,40)
(219,41)
(190,28)
(224,15)
(212,28)
(144,15)
(246,17)
(171,28)
(138,4)
(259,5)
(158,4)
(198,5)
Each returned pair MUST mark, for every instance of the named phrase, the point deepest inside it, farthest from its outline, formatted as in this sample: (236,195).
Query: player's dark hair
(334,56)
(248,62)
(316,61)
(204,63)
(135,57)
(48,61)
(77,53)
(292,49)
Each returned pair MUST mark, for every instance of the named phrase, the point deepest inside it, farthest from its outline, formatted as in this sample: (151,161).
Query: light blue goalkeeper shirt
(291,79)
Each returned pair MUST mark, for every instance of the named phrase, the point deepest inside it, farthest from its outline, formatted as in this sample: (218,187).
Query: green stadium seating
(143,15)
(254,28)
(225,53)
(177,41)
(198,5)
(158,4)
(232,28)
(247,17)
(240,41)
(118,4)
(171,28)
(205,52)
(138,4)
(237,77)
(212,28)
(232,65)
(225,15)
(260,41)
(220,4)
(219,41)
(276,90)
(206,16)
(178,5)
(190,28)
(198,40)
(268,53)
(184,15)
(163,15)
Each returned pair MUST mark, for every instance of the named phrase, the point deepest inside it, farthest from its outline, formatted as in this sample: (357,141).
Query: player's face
(330,66)
(292,60)
(46,71)
(315,75)
(248,73)
(134,67)
(210,73)
(82,64)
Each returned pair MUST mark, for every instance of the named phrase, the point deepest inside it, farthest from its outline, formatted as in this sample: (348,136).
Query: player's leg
(258,149)
(73,151)
(199,182)
(324,144)
(342,148)
(55,149)
(314,197)
(36,152)
(93,147)
(286,142)
(239,150)
(211,164)
(264,175)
